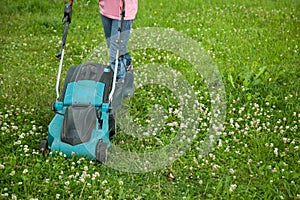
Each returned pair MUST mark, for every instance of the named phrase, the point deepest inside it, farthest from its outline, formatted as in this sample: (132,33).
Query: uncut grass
(257,155)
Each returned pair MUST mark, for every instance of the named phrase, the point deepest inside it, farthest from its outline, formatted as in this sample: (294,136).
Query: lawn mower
(84,121)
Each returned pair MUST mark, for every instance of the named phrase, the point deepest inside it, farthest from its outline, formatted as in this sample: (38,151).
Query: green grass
(255,45)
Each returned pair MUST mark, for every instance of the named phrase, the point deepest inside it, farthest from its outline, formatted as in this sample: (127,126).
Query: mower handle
(66,21)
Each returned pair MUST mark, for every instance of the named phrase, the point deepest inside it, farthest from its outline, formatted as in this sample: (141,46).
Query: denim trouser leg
(111,27)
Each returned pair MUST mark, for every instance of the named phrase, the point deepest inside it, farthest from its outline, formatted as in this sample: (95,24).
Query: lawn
(216,102)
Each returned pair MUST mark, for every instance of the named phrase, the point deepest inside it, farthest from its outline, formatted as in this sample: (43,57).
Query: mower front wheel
(44,146)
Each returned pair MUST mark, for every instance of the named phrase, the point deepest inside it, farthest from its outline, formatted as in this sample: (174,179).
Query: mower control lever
(67,14)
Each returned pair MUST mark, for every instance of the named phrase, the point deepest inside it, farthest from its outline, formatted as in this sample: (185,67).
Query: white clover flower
(14,197)
(232,187)
(4,195)
(82,180)
(67,183)
(97,174)
(26,148)
(216,167)
(106,192)
(227,149)
(276,152)
(173,124)
(25,171)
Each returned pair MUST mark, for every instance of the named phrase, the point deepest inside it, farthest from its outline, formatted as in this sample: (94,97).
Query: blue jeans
(111,27)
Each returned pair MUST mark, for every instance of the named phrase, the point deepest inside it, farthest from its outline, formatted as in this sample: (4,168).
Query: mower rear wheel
(44,146)
(101,151)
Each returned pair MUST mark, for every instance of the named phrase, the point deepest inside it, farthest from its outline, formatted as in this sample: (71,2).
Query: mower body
(83,124)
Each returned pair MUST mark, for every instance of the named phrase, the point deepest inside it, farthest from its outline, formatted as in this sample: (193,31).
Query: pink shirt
(112,8)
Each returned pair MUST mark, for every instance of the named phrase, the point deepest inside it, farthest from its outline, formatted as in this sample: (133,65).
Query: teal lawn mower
(84,121)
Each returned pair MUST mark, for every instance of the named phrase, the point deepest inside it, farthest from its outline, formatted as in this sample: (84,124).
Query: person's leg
(125,35)
(107,26)
(128,89)
(124,61)
(114,46)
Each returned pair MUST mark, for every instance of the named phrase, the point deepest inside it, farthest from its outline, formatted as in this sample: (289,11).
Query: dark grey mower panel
(78,125)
